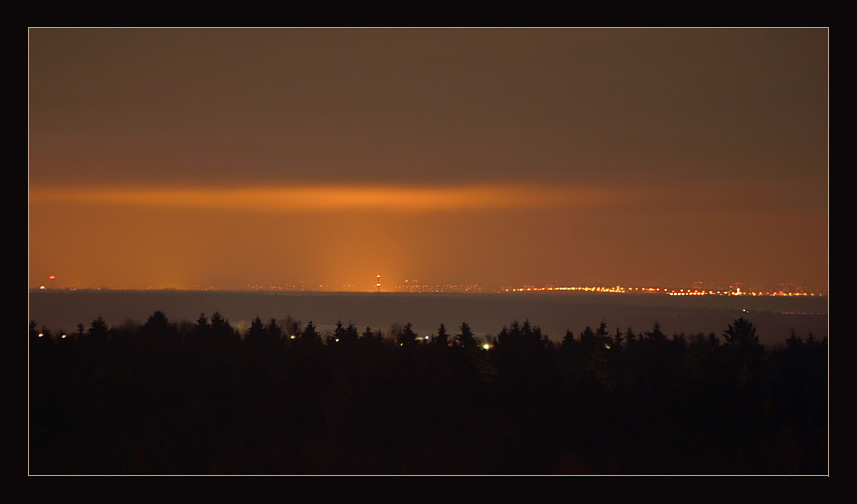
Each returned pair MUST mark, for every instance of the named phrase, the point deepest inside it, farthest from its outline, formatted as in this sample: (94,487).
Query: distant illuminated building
(378,283)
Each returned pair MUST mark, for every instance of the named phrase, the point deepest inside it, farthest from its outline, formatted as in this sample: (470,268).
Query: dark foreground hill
(203,398)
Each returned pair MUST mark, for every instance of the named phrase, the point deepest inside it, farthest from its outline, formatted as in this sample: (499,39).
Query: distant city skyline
(415,286)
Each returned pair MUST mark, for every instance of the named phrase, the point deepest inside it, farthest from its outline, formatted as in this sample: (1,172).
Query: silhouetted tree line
(283,398)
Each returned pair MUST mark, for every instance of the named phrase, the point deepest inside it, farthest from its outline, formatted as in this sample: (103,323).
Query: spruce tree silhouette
(98,331)
(618,341)
(157,322)
(39,339)
(201,333)
(350,335)
(602,334)
(221,328)
(256,333)
(371,338)
(465,337)
(274,333)
(588,341)
(741,334)
(293,331)
(78,335)
(631,339)
(407,338)
(442,339)
(338,333)
(656,335)
(310,338)
(742,345)
(158,332)
(567,341)
(794,341)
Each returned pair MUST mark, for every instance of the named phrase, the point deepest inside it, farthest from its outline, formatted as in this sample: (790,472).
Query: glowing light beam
(332,198)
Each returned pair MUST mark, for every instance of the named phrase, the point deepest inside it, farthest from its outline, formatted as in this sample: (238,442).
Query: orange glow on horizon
(330,197)
(188,237)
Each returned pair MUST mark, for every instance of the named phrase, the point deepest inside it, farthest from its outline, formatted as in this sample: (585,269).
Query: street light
(52,280)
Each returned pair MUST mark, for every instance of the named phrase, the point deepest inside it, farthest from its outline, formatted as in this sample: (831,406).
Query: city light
(731,291)
(417,287)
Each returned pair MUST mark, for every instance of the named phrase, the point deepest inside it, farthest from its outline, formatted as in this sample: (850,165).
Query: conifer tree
(465,336)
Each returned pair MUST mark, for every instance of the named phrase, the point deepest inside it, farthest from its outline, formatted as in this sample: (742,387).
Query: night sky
(225,158)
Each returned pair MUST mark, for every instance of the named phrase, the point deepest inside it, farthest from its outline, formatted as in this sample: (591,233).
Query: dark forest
(281,398)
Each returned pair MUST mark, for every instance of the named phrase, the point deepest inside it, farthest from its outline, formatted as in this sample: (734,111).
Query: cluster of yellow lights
(736,292)
(585,289)
(669,292)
